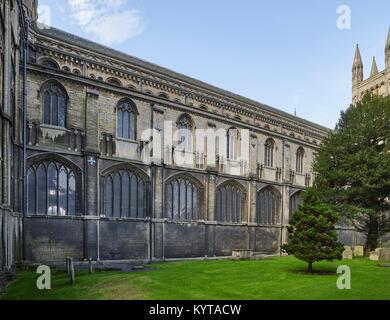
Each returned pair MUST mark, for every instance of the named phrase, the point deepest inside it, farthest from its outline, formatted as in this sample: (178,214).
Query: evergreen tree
(312,234)
(352,167)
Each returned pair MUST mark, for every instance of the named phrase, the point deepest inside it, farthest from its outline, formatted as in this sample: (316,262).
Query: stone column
(211,194)
(252,192)
(253,156)
(92,121)
(6,154)
(285,212)
(7,59)
(91,173)
(287,162)
(158,192)
(91,152)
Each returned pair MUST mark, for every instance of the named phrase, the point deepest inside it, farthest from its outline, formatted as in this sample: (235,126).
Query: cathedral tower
(357,68)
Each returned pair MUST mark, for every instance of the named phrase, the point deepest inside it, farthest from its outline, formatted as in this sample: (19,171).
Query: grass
(278,278)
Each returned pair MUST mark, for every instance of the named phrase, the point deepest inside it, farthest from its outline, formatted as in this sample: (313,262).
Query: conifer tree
(352,168)
(312,234)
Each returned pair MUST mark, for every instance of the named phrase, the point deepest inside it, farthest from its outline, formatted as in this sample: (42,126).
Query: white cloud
(107,21)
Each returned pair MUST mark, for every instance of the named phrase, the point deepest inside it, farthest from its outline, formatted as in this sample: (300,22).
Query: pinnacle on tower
(374,68)
(357,68)
(358,58)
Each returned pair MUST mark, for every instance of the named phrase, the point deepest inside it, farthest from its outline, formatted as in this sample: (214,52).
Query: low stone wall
(51,239)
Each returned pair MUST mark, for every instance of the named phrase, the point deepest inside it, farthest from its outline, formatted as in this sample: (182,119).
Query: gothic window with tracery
(125,195)
(127,120)
(185,133)
(232,144)
(267,206)
(54,101)
(229,203)
(52,189)
(182,197)
(269,153)
(299,160)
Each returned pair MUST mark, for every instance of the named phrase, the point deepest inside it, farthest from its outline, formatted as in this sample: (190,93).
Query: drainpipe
(282,218)
(151,202)
(26,50)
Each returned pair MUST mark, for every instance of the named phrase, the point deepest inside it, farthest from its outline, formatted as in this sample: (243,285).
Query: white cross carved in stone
(91,161)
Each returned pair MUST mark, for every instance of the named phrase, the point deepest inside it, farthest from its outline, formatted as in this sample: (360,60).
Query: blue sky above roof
(287,54)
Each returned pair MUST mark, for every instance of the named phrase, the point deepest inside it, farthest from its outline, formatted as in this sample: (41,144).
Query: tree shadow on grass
(319,272)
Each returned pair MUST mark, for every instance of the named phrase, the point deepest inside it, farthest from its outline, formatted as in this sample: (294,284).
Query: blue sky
(287,54)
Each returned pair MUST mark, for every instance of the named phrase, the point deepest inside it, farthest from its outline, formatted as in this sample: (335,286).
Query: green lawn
(278,278)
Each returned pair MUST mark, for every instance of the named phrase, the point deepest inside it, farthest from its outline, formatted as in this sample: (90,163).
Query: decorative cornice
(95,61)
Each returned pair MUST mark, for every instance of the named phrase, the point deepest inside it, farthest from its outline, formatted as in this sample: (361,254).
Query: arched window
(52,189)
(300,155)
(185,133)
(182,200)
(267,206)
(229,203)
(50,64)
(54,101)
(127,120)
(232,144)
(114,81)
(125,195)
(77,72)
(295,200)
(269,153)
(163,95)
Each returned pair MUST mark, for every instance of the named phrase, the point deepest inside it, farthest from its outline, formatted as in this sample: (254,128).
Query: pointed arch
(183,198)
(299,159)
(269,147)
(125,190)
(48,156)
(54,100)
(126,166)
(126,119)
(54,186)
(185,126)
(268,206)
(230,202)
(233,143)
(186,176)
(295,201)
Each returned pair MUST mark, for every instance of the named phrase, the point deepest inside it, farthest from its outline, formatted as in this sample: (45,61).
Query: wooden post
(90,266)
(68,265)
(72,277)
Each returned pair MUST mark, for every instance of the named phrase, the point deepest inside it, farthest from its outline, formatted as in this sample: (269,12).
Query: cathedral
(110,157)
(377,82)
